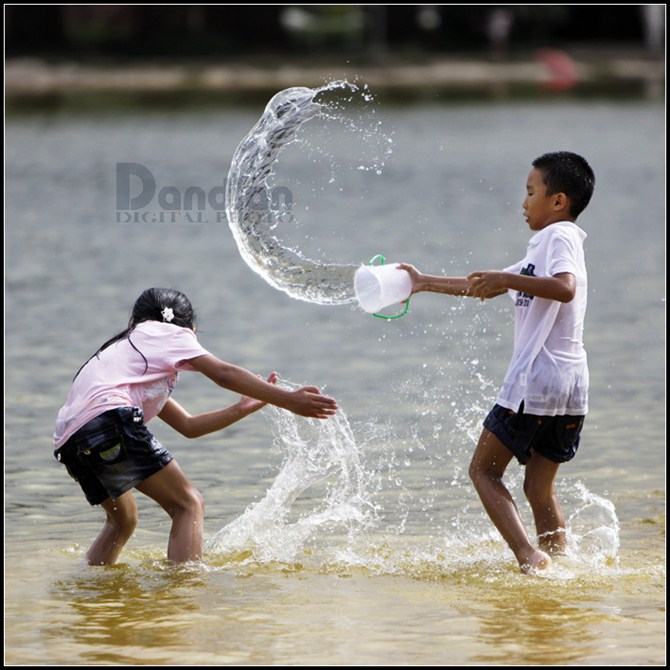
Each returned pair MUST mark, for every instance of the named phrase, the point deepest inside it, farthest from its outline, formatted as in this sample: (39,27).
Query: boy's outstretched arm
(434,283)
(560,287)
(489,284)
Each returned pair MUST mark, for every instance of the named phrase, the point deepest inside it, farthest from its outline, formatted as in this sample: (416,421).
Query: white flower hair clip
(167,314)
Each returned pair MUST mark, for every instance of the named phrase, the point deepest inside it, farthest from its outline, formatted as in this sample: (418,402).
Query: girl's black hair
(155,304)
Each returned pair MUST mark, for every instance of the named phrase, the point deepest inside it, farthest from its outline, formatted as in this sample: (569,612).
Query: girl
(101,435)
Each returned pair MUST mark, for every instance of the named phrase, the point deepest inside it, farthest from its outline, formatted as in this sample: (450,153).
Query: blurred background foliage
(359,31)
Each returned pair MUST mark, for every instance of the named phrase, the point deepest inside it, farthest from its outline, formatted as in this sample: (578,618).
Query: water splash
(364,498)
(324,500)
(593,527)
(322,464)
(252,214)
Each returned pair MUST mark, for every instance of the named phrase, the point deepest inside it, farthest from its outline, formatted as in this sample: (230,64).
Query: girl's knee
(193,501)
(124,519)
(199,500)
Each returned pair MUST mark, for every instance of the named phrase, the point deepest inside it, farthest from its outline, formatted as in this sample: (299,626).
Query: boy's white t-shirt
(549,370)
(117,377)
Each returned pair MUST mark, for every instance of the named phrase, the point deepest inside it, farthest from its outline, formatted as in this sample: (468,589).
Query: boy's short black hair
(569,173)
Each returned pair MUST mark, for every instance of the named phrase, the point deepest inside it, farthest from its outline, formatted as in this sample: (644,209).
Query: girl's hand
(309,401)
(249,405)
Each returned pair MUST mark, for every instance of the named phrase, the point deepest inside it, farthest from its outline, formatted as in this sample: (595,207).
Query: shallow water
(360,541)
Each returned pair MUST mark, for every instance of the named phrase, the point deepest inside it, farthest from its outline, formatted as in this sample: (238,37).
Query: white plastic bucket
(378,286)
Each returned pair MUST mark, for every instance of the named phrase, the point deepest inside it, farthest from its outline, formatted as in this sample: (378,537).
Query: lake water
(357,541)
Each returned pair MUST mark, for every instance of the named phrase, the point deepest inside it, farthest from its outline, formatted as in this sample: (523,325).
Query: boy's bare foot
(553,542)
(538,560)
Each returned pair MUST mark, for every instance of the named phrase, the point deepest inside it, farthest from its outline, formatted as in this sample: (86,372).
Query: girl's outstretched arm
(306,401)
(209,422)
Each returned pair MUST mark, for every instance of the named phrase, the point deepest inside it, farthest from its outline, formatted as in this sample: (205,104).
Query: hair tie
(167,314)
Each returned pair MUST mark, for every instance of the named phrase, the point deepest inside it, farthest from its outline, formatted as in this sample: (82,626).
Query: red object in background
(561,68)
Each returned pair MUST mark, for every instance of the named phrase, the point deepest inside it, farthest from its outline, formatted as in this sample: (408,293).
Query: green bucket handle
(385,316)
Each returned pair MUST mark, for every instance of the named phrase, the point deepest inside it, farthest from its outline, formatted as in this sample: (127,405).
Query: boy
(540,409)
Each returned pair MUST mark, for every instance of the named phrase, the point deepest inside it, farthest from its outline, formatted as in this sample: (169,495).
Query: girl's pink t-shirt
(120,377)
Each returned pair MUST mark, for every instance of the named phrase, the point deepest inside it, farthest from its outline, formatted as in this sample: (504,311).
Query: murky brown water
(394,563)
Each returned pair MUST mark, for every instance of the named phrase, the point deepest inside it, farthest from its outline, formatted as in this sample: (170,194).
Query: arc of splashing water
(314,452)
(250,214)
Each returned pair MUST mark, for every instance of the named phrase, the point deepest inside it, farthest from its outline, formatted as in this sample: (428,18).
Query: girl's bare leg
(487,468)
(118,528)
(175,493)
(539,488)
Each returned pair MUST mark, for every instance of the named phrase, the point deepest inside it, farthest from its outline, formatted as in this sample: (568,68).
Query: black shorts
(112,453)
(554,437)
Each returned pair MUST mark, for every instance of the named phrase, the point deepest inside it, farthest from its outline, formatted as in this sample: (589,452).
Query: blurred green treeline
(230,30)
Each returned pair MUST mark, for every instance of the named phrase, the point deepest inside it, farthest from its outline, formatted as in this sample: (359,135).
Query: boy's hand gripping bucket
(379,286)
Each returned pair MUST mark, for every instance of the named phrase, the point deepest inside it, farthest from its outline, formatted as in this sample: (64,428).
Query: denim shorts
(554,437)
(112,453)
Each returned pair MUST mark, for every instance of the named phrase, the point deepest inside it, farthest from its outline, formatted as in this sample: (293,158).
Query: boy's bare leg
(487,468)
(175,493)
(539,488)
(118,528)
